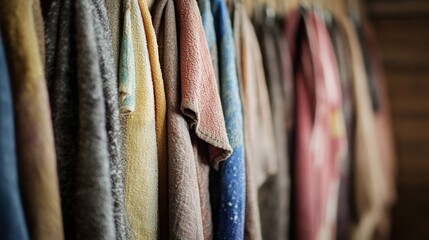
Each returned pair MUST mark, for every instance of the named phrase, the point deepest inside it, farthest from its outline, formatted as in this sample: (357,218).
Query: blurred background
(402,29)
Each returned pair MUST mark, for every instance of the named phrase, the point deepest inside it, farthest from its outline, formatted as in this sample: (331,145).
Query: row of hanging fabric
(190,120)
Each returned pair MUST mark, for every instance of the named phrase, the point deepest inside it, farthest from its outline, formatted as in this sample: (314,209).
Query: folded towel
(33,127)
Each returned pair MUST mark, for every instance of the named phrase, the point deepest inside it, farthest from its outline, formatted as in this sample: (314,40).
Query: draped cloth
(12,220)
(369,184)
(84,98)
(200,102)
(320,136)
(184,204)
(259,141)
(232,188)
(274,193)
(140,140)
(33,127)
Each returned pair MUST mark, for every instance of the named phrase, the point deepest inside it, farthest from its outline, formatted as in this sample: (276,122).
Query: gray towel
(83,90)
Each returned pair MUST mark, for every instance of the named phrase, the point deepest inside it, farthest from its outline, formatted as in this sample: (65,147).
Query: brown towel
(259,140)
(201,102)
(184,205)
(34,136)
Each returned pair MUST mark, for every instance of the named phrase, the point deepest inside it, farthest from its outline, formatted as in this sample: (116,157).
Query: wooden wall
(402,29)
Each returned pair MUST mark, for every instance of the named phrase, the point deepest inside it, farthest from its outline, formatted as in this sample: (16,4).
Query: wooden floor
(403,33)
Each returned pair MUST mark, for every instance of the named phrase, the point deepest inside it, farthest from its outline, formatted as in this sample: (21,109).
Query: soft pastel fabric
(115,12)
(320,132)
(160,118)
(369,186)
(200,101)
(127,72)
(184,204)
(84,97)
(139,145)
(345,209)
(259,142)
(232,195)
(274,193)
(12,220)
(33,128)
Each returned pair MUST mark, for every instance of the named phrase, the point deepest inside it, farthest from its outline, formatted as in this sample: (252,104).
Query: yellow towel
(160,117)
(140,149)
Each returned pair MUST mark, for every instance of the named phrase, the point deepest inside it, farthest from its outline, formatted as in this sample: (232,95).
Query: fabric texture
(259,142)
(33,127)
(115,11)
(12,219)
(160,118)
(84,97)
(140,146)
(274,193)
(232,195)
(200,102)
(320,136)
(127,72)
(184,204)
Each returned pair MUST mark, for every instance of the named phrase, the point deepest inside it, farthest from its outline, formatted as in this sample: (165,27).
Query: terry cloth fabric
(127,72)
(12,221)
(160,118)
(140,149)
(83,89)
(274,193)
(33,127)
(369,183)
(207,197)
(345,209)
(382,125)
(260,151)
(184,204)
(320,138)
(200,102)
(232,188)
(115,12)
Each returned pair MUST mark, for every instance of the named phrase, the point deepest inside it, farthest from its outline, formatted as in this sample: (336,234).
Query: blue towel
(230,223)
(12,223)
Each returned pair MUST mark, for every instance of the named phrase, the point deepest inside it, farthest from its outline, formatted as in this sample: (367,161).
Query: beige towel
(140,149)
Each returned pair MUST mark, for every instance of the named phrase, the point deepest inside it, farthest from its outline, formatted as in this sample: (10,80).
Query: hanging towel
(207,178)
(320,136)
(83,90)
(230,222)
(345,210)
(160,118)
(261,156)
(184,204)
(33,128)
(140,148)
(200,101)
(274,193)
(369,183)
(12,221)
